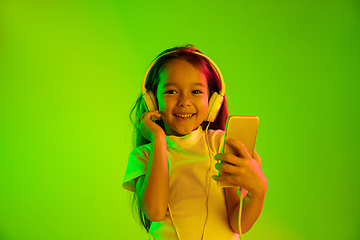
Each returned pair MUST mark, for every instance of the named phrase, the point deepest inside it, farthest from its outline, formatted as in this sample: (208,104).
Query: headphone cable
(208,187)
(240,212)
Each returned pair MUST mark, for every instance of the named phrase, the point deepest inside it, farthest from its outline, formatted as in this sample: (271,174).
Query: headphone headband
(222,90)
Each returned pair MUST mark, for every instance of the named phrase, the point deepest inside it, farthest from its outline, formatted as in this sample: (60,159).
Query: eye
(197,91)
(170,92)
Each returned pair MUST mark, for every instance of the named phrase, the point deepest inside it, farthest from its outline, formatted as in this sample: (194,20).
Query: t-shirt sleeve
(137,165)
(216,140)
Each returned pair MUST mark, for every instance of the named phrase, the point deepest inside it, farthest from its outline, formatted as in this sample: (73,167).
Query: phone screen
(243,129)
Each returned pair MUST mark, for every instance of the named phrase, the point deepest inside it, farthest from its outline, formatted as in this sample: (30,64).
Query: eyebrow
(193,84)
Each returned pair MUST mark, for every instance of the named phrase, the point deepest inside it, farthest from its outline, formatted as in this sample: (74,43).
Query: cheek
(162,107)
(160,102)
(163,104)
(205,105)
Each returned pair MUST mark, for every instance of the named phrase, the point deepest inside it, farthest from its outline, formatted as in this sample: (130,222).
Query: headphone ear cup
(150,101)
(214,106)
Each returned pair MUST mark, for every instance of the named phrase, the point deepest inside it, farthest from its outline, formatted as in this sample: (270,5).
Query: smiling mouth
(184,116)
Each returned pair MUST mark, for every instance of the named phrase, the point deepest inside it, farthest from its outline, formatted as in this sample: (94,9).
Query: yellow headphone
(215,101)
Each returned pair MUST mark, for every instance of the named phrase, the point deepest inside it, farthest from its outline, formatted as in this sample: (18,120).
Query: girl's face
(182,96)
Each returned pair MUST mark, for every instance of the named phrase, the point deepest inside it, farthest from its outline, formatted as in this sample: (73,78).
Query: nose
(184,102)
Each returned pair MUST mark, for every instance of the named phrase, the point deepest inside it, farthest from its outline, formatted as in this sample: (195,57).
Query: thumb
(257,158)
(239,148)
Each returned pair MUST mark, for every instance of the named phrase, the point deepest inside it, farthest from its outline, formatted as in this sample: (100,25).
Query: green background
(70,72)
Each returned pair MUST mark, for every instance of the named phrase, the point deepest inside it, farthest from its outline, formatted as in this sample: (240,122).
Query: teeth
(183,116)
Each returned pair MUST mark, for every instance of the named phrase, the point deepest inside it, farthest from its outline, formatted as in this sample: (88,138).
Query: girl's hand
(245,171)
(149,129)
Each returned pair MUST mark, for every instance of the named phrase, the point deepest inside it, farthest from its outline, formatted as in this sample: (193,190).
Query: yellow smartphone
(242,129)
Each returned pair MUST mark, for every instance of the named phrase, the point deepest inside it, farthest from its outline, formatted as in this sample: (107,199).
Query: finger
(256,157)
(151,115)
(155,117)
(224,179)
(239,147)
(229,158)
(226,167)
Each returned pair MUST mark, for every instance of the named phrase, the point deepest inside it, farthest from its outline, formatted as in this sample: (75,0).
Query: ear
(150,101)
(214,106)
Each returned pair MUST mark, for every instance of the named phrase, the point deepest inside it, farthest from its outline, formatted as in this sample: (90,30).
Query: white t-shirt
(195,206)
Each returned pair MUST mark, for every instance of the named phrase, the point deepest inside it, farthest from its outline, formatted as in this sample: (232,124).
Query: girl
(174,164)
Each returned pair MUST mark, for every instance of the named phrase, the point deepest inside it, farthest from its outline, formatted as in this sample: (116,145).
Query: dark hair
(152,81)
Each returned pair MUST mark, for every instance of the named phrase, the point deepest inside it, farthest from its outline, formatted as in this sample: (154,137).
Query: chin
(187,131)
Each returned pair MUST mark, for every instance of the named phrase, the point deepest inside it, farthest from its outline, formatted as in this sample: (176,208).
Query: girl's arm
(252,207)
(245,172)
(153,189)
